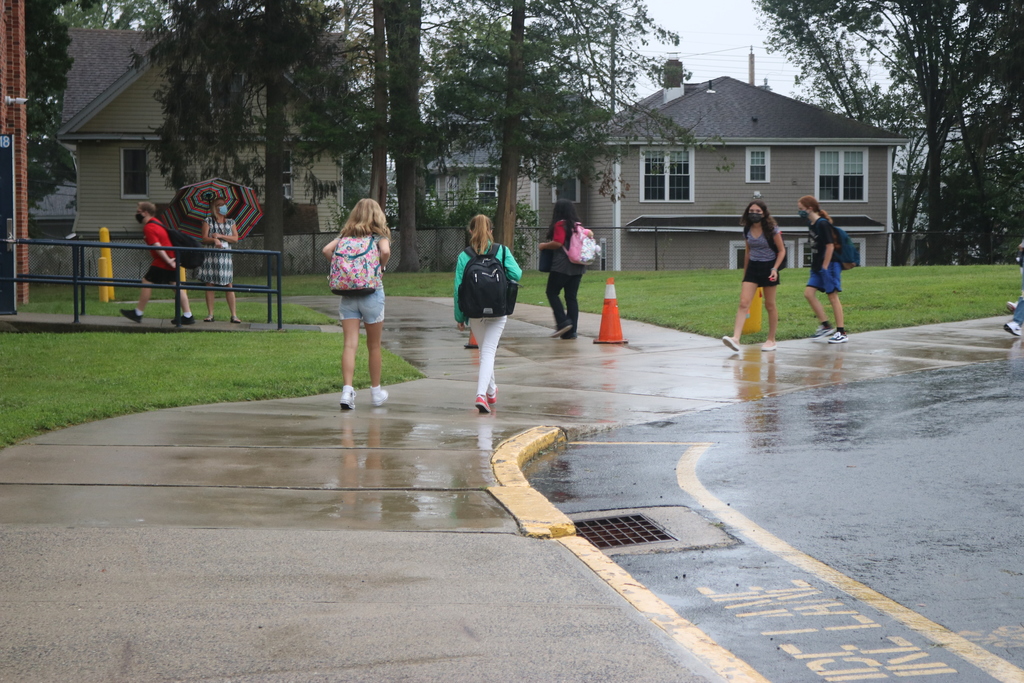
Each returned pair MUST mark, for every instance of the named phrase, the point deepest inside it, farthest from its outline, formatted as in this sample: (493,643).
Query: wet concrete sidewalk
(288,541)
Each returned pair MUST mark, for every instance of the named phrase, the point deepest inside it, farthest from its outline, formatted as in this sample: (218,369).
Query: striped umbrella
(191,206)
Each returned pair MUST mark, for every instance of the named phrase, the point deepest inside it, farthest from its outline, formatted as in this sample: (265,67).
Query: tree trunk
(402,20)
(379,158)
(508,178)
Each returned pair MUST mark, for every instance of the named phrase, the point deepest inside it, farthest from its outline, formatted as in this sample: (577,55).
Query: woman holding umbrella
(218,231)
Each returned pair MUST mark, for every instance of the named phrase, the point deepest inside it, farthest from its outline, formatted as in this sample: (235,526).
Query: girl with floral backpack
(358,256)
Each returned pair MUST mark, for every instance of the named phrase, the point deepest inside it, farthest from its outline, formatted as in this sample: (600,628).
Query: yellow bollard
(108,270)
(101,265)
(753,321)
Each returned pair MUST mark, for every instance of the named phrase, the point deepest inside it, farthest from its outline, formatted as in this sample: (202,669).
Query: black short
(159,276)
(758,272)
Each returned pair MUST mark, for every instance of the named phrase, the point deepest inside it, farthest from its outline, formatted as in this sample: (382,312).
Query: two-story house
(110,113)
(678,206)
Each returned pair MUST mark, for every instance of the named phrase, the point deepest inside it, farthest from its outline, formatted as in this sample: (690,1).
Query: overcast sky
(715,40)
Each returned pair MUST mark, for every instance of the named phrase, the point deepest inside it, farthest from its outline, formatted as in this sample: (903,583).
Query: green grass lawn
(705,301)
(251,308)
(56,380)
(51,380)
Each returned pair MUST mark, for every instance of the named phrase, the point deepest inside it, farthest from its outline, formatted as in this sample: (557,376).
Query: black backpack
(483,292)
(186,259)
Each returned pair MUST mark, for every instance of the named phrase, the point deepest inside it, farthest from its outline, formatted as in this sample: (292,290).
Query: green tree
(47,64)
(231,69)
(123,15)
(537,83)
(936,56)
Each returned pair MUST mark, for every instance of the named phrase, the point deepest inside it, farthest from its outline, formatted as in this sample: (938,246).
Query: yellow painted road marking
(723,662)
(537,517)
(686,475)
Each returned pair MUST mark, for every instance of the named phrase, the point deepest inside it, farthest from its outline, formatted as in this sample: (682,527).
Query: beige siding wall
(100,203)
(99,189)
(134,111)
(720,186)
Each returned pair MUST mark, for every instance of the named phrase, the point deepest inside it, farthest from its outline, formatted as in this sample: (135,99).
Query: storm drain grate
(612,532)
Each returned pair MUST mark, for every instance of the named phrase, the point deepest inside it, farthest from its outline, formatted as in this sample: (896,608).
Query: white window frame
(842,175)
(643,176)
(286,172)
(554,192)
(767,164)
(480,193)
(734,253)
(145,154)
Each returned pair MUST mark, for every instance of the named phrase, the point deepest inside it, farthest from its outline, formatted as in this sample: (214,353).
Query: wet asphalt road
(912,486)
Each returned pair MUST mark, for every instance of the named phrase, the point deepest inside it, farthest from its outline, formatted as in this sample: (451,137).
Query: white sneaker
(838,338)
(348,399)
(378,396)
(1013,328)
(823,333)
(731,343)
(1011,306)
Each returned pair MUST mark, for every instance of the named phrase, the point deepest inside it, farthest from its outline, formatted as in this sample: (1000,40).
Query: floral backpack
(355,267)
(583,248)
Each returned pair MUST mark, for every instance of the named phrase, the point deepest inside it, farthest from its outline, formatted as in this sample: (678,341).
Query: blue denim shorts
(369,308)
(827,280)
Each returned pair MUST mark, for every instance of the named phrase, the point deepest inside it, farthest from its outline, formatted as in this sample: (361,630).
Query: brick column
(15,120)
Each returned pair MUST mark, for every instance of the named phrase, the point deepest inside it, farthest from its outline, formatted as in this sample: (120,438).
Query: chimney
(750,66)
(673,84)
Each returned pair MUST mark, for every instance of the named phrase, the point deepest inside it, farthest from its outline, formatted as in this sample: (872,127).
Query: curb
(535,515)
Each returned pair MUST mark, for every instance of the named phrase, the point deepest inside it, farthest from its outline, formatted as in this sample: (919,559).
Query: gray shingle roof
(101,57)
(738,110)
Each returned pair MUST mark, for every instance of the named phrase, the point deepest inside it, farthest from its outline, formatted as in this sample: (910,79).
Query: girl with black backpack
(486,329)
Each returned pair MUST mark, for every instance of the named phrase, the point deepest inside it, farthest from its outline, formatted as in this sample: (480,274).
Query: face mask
(755,217)
(802,213)
(222,210)
(138,217)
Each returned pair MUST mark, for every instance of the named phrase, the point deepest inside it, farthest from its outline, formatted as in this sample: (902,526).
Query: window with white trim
(286,173)
(666,176)
(841,175)
(487,188)
(566,189)
(134,174)
(758,165)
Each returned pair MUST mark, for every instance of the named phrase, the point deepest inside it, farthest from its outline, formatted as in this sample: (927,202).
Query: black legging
(571,284)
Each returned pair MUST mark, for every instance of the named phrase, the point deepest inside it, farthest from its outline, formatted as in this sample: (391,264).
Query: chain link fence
(624,248)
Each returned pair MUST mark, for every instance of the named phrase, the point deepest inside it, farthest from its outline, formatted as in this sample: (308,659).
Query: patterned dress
(217,267)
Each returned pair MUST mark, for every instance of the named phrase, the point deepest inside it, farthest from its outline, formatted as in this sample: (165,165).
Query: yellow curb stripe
(720,660)
(686,475)
(538,518)
(510,456)
(534,513)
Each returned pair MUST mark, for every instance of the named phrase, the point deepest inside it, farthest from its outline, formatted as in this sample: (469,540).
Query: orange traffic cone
(611,328)
(472,342)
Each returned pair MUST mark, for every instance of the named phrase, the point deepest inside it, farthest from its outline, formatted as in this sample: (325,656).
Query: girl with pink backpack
(563,274)
(358,256)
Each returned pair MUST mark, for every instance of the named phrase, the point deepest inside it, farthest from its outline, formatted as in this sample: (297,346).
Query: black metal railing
(80,276)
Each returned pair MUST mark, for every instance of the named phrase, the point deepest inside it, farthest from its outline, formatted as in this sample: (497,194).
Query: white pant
(487,332)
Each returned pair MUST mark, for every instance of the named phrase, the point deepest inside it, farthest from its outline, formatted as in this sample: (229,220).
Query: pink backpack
(582,247)
(355,267)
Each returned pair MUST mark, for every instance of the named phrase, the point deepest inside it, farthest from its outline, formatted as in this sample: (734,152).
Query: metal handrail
(79,281)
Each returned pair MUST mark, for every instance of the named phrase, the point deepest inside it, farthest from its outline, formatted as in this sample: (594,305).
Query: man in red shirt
(161,270)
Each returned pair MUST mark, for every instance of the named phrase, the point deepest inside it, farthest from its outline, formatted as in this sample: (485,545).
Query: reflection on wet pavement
(422,460)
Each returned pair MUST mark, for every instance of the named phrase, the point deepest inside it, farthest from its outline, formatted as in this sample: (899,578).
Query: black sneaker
(191,320)
(131,315)
(562,329)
